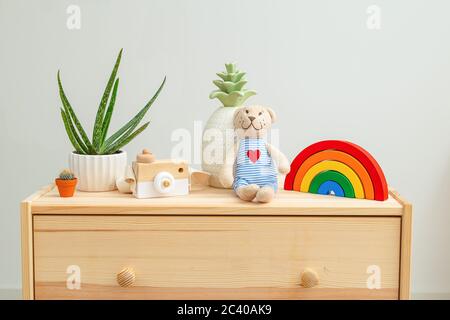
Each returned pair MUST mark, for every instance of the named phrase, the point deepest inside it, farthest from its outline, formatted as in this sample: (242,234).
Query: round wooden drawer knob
(126,277)
(309,278)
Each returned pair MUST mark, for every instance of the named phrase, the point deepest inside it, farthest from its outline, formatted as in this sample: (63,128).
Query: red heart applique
(253,155)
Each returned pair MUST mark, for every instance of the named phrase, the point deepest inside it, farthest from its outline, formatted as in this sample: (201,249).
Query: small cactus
(66,174)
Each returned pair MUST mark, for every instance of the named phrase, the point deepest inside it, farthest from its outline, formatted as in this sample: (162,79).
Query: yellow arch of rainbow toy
(336,166)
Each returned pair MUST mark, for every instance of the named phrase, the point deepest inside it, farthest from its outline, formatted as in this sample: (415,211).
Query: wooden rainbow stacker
(210,245)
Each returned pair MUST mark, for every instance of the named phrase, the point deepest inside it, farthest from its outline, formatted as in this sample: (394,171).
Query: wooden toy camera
(160,178)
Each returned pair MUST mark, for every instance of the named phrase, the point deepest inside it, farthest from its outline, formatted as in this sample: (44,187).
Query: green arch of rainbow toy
(341,165)
(335,176)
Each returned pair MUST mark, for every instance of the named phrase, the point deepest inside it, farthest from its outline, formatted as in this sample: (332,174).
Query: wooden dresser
(211,245)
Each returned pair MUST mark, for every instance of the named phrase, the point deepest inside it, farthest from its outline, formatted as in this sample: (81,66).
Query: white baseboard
(430,296)
(10,294)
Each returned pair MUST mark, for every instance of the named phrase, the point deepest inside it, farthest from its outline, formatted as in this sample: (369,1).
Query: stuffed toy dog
(256,163)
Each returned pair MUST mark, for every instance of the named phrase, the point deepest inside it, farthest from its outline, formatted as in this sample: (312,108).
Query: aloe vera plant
(231,87)
(101,144)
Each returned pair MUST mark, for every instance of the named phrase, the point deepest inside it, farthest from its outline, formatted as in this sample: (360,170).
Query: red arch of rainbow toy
(378,189)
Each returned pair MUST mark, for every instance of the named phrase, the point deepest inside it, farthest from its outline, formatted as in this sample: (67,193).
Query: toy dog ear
(272,114)
(236,112)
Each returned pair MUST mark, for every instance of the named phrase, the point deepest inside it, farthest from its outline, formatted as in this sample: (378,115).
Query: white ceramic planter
(98,172)
(221,122)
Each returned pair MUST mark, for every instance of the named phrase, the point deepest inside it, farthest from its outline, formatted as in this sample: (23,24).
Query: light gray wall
(315,62)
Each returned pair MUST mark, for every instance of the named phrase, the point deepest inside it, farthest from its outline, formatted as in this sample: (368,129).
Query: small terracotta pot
(66,188)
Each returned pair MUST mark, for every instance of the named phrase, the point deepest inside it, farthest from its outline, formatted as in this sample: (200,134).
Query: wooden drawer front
(216,257)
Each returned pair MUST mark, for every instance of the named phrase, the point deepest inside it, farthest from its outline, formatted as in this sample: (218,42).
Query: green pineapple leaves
(231,87)
(100,144)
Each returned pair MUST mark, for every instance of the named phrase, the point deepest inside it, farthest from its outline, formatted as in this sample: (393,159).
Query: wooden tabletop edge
(404,204)
(41,192)
(400,199)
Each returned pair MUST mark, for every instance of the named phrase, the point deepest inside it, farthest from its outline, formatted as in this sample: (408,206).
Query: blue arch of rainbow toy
(331,187)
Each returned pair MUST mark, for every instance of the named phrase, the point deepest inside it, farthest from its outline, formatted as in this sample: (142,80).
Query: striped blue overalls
(254,165)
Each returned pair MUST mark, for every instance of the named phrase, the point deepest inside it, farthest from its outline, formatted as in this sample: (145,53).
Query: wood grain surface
(216,256)
(211,201)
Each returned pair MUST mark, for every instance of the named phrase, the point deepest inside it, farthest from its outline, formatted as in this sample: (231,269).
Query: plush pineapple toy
(257,163)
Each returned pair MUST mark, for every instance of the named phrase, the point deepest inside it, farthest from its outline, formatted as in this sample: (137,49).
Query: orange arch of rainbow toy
(345,157)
